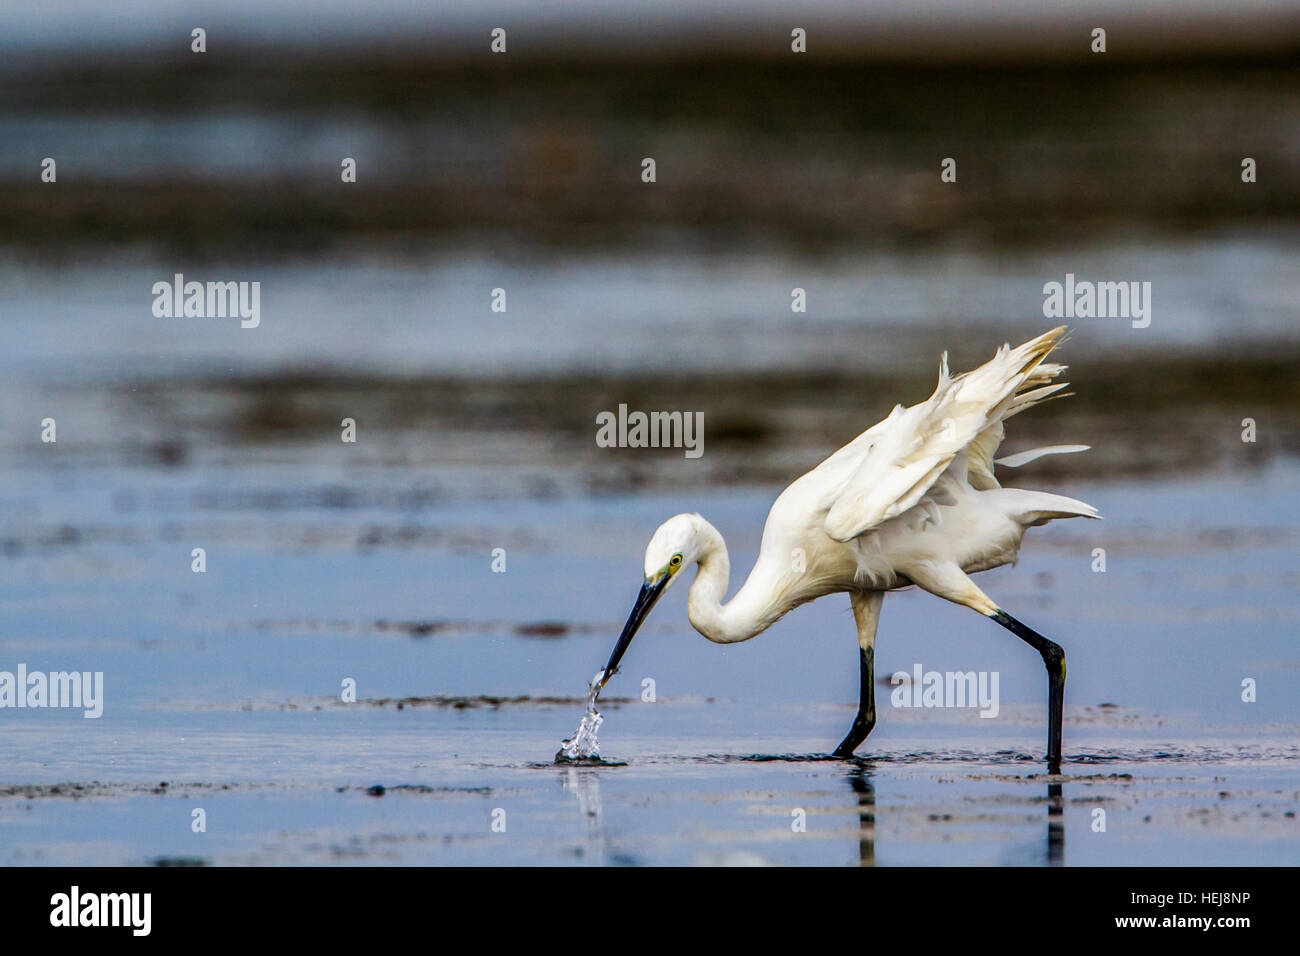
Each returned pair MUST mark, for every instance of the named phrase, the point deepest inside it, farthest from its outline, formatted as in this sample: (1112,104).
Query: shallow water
(407,788)
(375,566)
(387,309)
(226,686)
(373,563)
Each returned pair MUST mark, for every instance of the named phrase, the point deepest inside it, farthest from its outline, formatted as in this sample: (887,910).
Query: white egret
(911,501)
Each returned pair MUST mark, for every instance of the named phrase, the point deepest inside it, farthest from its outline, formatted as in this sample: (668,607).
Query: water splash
(583,744)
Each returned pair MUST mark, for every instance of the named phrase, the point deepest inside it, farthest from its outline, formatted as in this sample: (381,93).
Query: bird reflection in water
(584,784)
(865,792)
(860,781)
(1055,825)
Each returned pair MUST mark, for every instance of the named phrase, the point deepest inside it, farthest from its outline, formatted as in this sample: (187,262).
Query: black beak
(640,610)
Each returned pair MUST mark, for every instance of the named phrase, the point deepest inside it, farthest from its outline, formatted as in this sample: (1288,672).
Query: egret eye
(677,560)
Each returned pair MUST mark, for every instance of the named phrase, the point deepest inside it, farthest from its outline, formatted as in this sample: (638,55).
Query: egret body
(911,501)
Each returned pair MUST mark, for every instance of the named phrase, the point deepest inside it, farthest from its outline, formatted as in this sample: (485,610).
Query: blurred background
(522,171)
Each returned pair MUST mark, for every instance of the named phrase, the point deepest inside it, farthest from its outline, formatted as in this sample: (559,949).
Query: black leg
(1054,660)
(866,718)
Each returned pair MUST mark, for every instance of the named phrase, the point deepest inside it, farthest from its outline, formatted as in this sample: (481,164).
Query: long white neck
(756,606)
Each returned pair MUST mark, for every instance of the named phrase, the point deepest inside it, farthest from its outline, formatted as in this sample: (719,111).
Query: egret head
(676,544)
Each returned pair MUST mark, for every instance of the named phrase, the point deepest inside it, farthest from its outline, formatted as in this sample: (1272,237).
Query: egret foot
(866,718)
(857,733)
(1054,660)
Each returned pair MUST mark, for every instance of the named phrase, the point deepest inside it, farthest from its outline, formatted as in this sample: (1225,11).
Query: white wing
(1033,454)
(908,451)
